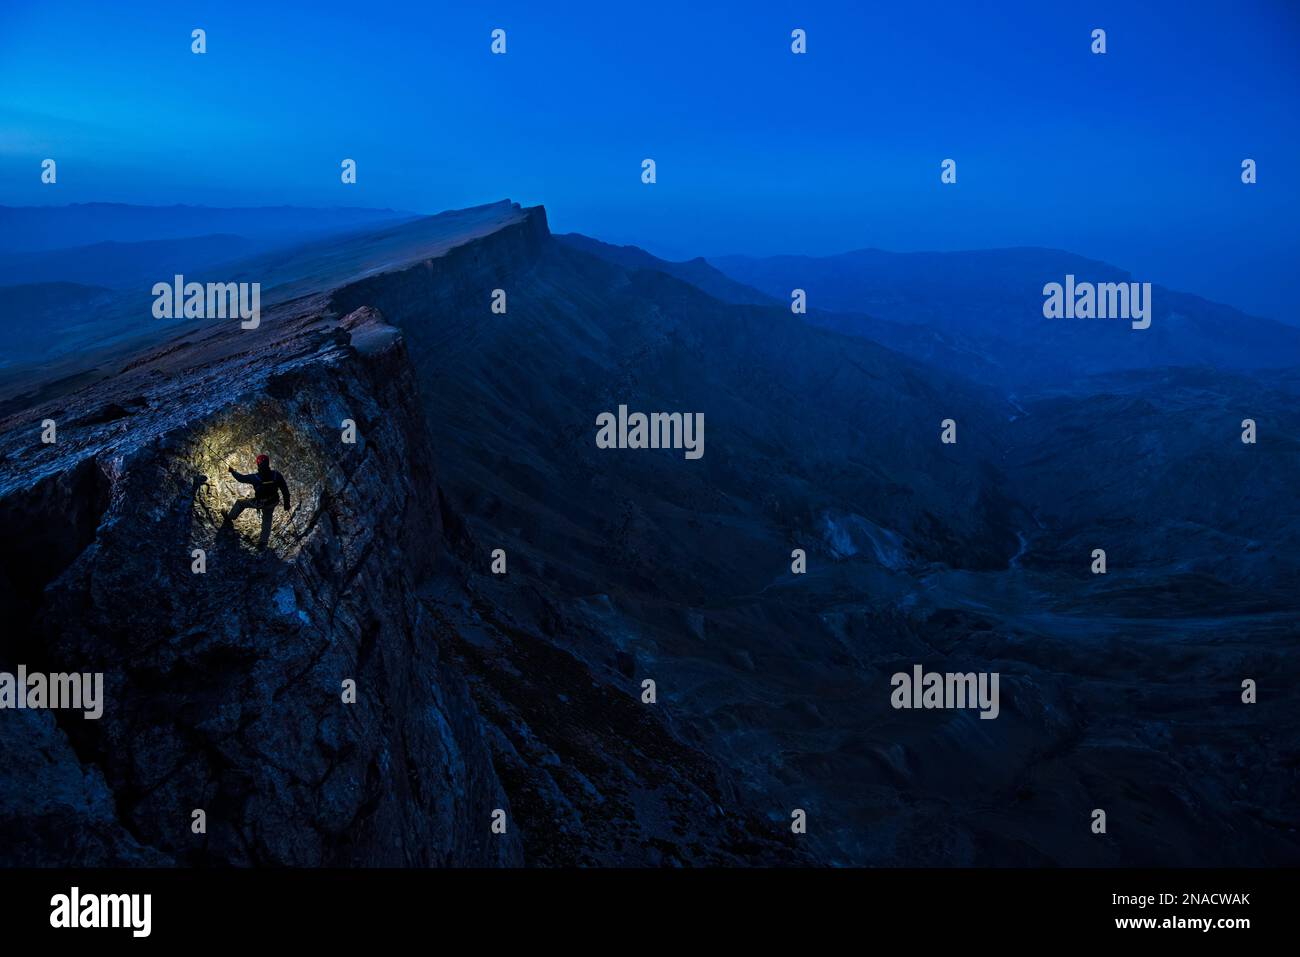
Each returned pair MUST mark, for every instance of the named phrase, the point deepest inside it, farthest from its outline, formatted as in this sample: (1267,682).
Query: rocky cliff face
(225,688)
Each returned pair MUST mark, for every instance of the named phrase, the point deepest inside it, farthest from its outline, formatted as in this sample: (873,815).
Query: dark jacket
(265,482)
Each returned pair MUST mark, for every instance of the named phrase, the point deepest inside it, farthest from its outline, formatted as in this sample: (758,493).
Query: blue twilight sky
(1133,157)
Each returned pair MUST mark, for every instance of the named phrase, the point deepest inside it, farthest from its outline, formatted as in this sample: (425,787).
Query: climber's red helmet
(263,459)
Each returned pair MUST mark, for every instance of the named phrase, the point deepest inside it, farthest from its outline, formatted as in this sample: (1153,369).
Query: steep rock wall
(224,688)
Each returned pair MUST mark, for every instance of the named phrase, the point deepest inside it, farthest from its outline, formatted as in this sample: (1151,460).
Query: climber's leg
(268,512)
(240,505)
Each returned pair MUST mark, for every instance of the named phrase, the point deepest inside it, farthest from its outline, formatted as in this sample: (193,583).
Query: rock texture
(224,689)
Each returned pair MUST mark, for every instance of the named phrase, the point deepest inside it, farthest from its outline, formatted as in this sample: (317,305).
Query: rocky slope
(642,564)
(225,688)
(522,690)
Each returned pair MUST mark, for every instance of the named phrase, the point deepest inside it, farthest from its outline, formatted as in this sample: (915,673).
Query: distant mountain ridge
(987,304)
(698,272)
(120,265)
(43,228)
(283,270)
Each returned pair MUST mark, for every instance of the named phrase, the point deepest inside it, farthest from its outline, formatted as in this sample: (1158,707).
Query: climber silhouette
(266,481)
